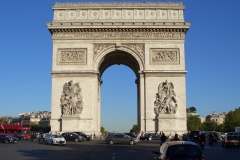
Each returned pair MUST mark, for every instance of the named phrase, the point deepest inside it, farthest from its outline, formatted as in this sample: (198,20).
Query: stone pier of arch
(147,37)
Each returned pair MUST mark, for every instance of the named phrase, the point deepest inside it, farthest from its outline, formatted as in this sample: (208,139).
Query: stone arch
(122,51)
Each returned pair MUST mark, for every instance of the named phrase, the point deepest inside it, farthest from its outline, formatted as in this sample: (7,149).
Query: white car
(55,139)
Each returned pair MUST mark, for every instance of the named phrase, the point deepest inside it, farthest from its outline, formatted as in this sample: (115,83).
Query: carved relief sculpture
(71,99)
(165,102)
(72,56)
(97,48)
(164,56)
(138,47)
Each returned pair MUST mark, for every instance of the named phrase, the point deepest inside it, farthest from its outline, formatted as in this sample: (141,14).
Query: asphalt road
(99,150)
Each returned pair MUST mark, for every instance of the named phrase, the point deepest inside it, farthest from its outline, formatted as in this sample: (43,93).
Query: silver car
(121,138)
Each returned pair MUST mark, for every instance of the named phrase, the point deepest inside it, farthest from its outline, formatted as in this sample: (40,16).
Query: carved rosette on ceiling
(72,56)
(98,48)
(137,47)
(165,102)
(71,99)
(164,56)
(134,33)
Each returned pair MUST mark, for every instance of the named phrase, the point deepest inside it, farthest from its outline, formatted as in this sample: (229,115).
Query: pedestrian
(163,138)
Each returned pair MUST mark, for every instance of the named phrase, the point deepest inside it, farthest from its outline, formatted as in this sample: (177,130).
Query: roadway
(99,150)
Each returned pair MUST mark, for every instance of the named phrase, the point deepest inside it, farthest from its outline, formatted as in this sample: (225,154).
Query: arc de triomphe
(90,37)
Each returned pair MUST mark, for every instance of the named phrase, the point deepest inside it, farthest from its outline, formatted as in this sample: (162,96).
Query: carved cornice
(117,4)
(118,33)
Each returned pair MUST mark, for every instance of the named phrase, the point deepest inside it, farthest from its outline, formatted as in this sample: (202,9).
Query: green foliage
(103,131)
(134,129)
(209,126)
(193,123)
(191,110)
(232,120)
(35,127)
(220,128)
(4,121)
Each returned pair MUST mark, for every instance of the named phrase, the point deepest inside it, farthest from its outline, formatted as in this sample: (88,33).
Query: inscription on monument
(72,56)
(164,56)
(165,102)
(71,99)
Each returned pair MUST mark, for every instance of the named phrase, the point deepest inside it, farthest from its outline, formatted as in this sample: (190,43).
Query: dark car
(72,137)
(85,137)
(20,136)
(147,136)
(8,139)
(121,138)
(195,135)
(232,140)
(183,150)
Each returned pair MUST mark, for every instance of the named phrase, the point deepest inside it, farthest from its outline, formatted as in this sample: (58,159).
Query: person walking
(163,138)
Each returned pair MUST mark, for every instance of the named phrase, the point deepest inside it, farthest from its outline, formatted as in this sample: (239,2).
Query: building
(217,117)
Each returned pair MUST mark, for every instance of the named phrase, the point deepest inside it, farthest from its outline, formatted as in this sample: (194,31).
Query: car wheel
(6,141)
(76,140)
(46,143)
(111,142)
(131,142)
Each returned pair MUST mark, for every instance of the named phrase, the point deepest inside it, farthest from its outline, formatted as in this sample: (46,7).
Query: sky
(211,49)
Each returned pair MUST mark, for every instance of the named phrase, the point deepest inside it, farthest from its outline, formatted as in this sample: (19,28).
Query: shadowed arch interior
(119,57)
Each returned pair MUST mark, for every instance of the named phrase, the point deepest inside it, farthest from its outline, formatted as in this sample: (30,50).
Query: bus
(18,126)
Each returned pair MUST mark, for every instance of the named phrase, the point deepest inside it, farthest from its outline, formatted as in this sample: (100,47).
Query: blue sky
(212,61)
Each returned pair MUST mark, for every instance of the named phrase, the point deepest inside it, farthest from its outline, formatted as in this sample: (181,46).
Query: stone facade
(216,117)
(147,37)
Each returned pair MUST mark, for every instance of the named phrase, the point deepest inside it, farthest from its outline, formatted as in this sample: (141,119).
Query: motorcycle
(202,144)
(210,141)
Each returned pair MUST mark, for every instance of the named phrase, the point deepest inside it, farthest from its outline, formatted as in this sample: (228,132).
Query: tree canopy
(134,129)
(193,123)
(232,120)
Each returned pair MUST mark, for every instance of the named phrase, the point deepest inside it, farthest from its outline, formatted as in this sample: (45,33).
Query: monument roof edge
(90,5)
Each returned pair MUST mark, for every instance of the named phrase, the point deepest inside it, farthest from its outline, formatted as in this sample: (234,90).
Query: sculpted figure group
(71,99)
(165,102)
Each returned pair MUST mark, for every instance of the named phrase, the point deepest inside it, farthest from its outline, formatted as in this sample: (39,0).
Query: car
(147,136)
(69,136)
(55,139)
(121,138)
(8,139)
(155,136)
(194,135)
(85,137)
(183,150)
(231,140)
(20,136)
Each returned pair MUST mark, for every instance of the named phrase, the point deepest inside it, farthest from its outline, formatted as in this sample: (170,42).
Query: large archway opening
(119,91)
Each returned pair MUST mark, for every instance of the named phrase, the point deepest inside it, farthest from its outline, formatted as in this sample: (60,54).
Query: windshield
(183,150)
(56,136)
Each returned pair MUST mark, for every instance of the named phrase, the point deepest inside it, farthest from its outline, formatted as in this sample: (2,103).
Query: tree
(3,120)
(209,126)
(103,131)
(34,126)
(193,123)
(134,129)
(232,120)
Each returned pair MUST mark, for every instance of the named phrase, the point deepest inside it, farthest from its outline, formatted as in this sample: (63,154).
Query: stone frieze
(164,56)
(120,33)
(72,56)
